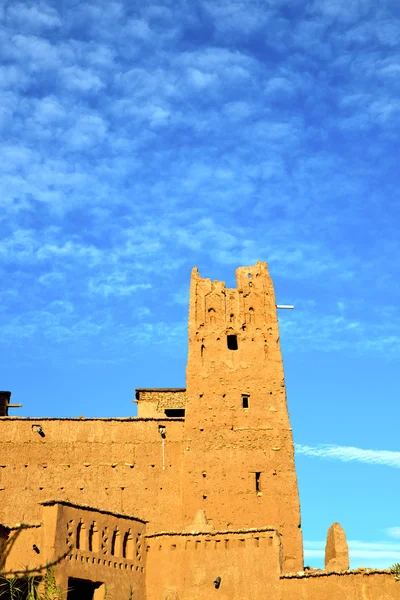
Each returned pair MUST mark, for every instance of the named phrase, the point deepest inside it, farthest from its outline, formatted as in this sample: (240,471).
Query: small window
(232,342)
(258,481)
(245,400)
(174,412)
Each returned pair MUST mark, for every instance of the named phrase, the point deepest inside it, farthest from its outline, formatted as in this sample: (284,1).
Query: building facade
(195,496)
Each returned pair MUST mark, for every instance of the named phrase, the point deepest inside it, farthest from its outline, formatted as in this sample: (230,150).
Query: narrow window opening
(127,545)
(80,541)
(115,549)
(174,412)
(202,350)
(232,342)
(245,400)
(258,481)
(93,538)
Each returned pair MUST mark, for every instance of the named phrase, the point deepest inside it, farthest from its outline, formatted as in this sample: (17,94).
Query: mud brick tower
(238,454)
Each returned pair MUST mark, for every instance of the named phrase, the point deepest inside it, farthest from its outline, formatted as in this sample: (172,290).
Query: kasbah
(196,498)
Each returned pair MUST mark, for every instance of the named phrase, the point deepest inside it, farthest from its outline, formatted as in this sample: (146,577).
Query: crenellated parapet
(251,305)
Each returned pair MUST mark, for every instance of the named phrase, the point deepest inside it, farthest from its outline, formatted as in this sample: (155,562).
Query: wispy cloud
(140,140)
(351,454)
(393,532)
(379,554)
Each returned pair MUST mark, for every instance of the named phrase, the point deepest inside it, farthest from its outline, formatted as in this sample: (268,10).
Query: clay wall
(352,585)
(101,547)
(124,465)
(239,455)
(82,543)
(185,566)
(154,402)
(19,554)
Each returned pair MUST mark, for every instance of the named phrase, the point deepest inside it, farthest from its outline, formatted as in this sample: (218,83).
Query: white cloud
(236,16)
(379,554)
(35,17)
(115,286)
(393,532)
(351,454)
(81,80)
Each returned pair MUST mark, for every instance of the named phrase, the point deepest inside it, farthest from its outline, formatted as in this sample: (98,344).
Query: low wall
(185,566)
(349,585)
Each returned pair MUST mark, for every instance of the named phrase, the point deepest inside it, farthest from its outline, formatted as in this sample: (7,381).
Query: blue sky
(139,139)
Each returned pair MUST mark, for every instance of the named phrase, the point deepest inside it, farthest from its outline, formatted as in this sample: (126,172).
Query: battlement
(250,305)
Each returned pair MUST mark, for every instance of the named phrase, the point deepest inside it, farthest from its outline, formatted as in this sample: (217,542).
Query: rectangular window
(174,412)
(245,400)
(258,481)
(232,342)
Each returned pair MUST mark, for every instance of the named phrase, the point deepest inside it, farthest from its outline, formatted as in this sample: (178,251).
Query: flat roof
(160,389)
(105,419)
(92,508)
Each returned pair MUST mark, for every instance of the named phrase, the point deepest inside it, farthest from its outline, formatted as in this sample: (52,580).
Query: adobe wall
(117,464)
(239,454)
(154,402)
(82,543)
(100,547)
(18,553)
(351,585)
(185,566)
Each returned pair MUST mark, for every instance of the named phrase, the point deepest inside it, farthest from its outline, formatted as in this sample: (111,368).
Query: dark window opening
(80,536)
(245,400)
(174,412)
(258,481)
(115,543)
(93,538)
(127,545)
(232,342)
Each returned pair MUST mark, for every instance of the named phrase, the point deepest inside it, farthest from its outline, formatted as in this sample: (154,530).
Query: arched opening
(81,539)
(115,543)
(127,545)
(212,315)
(250,315)
(94,540)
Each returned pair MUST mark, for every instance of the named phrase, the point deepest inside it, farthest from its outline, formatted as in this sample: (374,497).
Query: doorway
(84,589)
